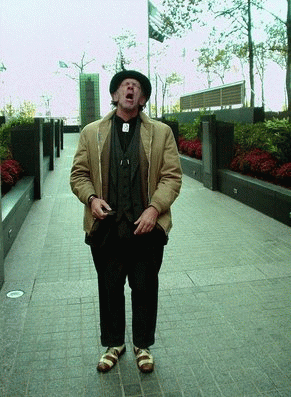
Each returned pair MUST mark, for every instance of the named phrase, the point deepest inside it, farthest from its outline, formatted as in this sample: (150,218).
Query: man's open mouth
(129,96)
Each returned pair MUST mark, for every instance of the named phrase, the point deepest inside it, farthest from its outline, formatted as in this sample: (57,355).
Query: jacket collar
(144,117)
(146,131)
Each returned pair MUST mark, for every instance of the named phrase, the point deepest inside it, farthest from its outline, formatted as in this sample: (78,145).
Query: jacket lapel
(104,131)
(146,134)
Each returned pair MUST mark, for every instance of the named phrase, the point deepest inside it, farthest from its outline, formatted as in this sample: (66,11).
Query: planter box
(272,200)
(68,129)
(191,167)
(49,142)
(15,206)
(1,244)
(27,148)
(59,137)
(46,167)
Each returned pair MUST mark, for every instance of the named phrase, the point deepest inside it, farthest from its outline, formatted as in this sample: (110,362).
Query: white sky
(36,34)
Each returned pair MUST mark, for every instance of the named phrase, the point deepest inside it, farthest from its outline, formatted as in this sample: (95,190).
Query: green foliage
(273,136)
(4,152)
(176,107)
(26,111)
(5,129)
(192,130)
(277,43)
(8,110)
(179,16)
(214,59)
(189,130)
(280,141)
(250,136)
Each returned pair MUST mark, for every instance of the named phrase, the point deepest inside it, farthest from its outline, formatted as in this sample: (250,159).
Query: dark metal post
(209,152)
(1,245)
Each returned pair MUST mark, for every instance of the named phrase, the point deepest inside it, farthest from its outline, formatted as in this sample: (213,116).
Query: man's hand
(147,221)
(99,208)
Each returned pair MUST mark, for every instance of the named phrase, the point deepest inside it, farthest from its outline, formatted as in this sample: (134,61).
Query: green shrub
(250,136)
(192,130)
(5,130)
(273,136)
(279,143)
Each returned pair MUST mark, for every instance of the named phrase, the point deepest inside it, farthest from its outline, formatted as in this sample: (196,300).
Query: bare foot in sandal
(110,358)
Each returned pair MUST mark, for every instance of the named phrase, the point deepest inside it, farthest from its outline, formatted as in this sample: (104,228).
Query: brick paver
(224,322)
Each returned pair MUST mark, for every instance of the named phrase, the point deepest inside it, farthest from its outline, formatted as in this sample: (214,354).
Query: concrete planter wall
(192,167)
(49,142)
(69,129)
(242,115)
(272,200)
(59,136)
(27,148)
(35,147)
(1,245)
(15,207)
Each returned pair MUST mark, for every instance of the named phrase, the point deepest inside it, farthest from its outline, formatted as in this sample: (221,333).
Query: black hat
(131,74)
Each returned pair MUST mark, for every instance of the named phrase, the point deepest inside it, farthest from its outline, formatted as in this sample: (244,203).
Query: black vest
(125,193)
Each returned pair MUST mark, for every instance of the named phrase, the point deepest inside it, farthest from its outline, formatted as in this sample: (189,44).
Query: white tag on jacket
(125,127)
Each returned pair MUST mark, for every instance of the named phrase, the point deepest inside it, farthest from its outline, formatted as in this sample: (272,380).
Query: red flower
(235,163)
(6,178)
(198,149)
(182,145)
(12,167)
(268,166)
(10,172)
(191,149)
(256,161)
(284,171)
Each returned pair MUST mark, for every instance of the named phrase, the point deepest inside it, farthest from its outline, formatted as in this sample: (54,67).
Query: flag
(155,23)
(2,67)
(63,64)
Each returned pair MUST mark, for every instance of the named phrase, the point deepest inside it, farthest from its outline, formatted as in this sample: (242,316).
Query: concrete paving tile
(225,275)
(174,280)
(149,384)
(275,269)
(193,391)
(285,392)
(231,390)
(224,306)
(132,389)
(36,389)
(211,391)
(57,387)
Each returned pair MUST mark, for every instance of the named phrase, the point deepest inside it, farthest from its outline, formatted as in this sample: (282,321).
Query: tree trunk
(288,69)
(251,55)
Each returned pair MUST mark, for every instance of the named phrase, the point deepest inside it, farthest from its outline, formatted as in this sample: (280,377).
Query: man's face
(129,95)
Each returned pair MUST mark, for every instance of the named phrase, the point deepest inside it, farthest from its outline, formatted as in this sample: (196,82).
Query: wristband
(91,198)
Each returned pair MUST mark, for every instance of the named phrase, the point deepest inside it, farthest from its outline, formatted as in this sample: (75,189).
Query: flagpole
(149,66)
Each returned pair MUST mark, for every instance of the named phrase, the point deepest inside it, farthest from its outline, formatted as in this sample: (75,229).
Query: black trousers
(139,258)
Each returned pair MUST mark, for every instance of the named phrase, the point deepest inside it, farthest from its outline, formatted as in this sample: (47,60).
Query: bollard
(209,166)
(1,245)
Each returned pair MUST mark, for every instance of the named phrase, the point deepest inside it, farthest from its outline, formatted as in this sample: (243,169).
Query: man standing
(127,173)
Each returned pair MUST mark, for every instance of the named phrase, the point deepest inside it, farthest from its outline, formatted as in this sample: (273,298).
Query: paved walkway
(224,323)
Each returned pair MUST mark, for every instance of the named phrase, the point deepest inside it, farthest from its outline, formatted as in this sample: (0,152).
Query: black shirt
(125,137)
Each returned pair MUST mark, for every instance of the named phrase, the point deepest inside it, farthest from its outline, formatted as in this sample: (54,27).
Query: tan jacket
(164,174)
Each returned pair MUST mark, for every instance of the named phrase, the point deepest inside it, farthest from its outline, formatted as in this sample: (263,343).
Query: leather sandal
(144,360)
(110,358)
